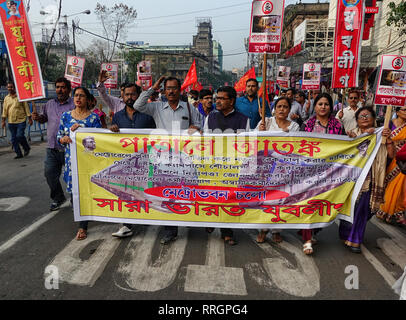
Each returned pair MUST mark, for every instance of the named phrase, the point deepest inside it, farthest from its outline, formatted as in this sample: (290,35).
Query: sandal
(81,235)
(399,219)
(381,215)
(307,248)
(276,237)
(262,236)
(230,241)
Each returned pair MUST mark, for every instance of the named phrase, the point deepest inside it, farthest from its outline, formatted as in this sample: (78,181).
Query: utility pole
(73,37)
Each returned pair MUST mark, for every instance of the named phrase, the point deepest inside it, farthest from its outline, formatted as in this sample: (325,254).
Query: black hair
(252,79)
(172,79)
(65,81)
(232,94)
(283,98)
(130,85)
(301,93)
(328,97)
(87,93)
(369,109)
(205,92)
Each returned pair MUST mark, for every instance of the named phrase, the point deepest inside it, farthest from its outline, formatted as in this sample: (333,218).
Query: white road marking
(302,281)
(394,247)
(73,270)
(390,280)
(214,276)
(140,273)
(13,204)
(27,231)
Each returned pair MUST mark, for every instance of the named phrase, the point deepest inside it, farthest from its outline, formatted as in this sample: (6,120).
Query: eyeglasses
(402,109)
(222,98)
(353,98)
(365,116)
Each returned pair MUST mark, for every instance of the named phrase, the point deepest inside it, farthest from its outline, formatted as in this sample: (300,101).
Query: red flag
(197,86)
(191,77)
(240,85)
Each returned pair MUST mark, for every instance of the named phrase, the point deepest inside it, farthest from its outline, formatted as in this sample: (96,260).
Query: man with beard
(173,115)
(251,105)
(129,118)
(55,156)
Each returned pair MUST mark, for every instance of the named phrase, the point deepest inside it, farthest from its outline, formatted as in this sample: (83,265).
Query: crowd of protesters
(164,105)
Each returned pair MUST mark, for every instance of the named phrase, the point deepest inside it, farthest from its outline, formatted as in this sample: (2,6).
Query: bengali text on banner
(251,180)
(22,53)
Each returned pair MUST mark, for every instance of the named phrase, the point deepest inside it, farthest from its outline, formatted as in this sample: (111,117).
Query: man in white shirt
(347,114)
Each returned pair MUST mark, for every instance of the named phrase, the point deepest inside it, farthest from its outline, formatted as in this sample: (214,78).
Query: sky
(156,26)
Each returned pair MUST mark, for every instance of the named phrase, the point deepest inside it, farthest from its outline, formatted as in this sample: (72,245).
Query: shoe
(18,157)
(355,249)
(123,232)
(168,238)
(56,205)
(27,152)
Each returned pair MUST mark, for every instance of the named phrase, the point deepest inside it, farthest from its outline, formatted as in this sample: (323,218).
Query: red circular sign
(267,7)
(397,63)
(109,67)
(75,61)
(312,67)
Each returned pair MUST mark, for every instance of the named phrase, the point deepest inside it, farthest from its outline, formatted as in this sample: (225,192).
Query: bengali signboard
(112,73)
(144,74)
(266,26)
(282,78)
(347,43)
(392,81)
(265,180)
(21,51)
(74,70)
(311,76)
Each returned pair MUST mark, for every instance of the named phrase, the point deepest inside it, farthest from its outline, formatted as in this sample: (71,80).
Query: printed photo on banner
(293,180)
(266,26)
(11,8)
(22,53)
(112,74)
(392,81)
(74,70)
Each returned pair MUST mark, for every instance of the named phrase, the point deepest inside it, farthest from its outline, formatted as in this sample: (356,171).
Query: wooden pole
(388,116)
(264,67)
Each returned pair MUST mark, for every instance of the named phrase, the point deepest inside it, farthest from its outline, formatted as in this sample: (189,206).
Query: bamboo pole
(264,68)
(388,116)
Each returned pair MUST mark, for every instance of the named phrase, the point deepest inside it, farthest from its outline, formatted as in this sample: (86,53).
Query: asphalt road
(40,260)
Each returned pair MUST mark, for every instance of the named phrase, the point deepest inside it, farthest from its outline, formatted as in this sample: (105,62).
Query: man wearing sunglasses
(347,115)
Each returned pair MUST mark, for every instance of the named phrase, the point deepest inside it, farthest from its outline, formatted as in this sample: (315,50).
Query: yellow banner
(252,180)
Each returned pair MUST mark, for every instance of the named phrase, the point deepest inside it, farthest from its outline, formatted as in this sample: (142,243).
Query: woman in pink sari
(322,122)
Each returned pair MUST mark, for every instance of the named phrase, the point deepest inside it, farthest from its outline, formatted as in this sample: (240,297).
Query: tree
(52,66)
(397,16)
(132,58)
(115,21)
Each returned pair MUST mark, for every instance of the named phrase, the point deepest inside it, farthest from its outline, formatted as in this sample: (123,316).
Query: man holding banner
(171,116)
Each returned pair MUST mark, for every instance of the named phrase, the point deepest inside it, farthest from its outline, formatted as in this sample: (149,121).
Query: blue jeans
(17,131)
(54,162)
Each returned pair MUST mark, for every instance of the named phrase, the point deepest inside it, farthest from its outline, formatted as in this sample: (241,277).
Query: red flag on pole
(191,76)
(240,85)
